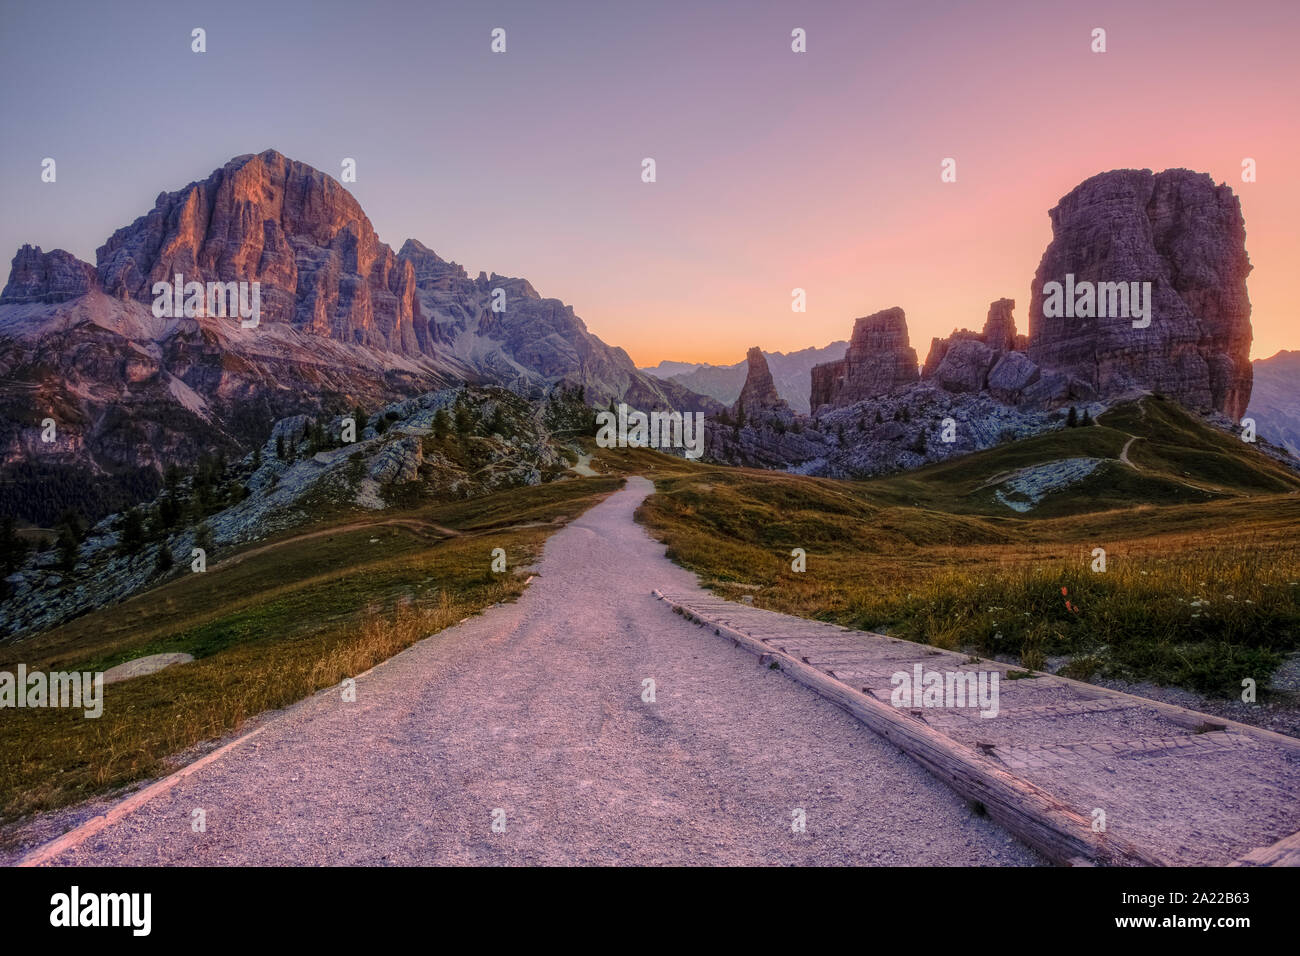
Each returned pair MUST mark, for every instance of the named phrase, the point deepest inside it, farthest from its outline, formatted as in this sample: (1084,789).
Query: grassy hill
(1201,586)
(268,625)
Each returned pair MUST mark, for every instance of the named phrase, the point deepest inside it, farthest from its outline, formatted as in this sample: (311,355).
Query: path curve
(1123,455)
(535,709)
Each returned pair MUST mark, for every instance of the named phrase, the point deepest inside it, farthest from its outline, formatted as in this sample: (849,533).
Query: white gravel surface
(535,709)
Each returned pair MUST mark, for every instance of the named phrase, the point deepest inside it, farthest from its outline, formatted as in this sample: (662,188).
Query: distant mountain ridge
(791,371)
(1275,401)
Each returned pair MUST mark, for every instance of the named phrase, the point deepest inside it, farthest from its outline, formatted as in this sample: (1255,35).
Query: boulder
(1012,374)
(965,366)
(398,461)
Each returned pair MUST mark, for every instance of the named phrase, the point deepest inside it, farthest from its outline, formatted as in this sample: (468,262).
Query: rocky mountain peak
(1186,237)
(343,319)
(53,276)
(292,229)
(417,251)
(759,396)
(1000,326)
(879,360)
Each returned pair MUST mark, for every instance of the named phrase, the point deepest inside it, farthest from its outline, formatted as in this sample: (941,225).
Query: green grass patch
(268,627)
(1201,587)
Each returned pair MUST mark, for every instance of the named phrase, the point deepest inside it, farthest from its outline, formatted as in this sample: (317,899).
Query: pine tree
(71,520)
(67,545)
(1072,420)
(203,537)
(132,539)
(13,549)
(464,420)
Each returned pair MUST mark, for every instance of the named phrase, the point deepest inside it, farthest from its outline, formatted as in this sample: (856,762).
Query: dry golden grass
(266,632)
(1200,593)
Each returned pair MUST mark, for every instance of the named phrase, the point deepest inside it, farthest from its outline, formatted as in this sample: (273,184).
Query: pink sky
(775,169)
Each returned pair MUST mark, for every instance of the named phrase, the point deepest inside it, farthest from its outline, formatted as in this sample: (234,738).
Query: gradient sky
(775,170)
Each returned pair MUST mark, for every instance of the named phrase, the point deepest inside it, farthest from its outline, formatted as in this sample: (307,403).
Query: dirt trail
(1123,455)
(534,711)
(414,524)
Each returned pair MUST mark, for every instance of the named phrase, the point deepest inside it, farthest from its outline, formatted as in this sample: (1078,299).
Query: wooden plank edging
(1285,852)
(75,837)
(1032,814)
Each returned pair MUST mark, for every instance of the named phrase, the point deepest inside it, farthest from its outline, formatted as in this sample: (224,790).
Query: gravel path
(535,708)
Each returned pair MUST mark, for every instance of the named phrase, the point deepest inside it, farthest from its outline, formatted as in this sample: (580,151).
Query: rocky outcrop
(1000,326)
(288,227)
(399,461)
(759,397)
(1011,376)
(879,361)
(791,372)
(343,320)
(1185,236)
(48,277)
(992,360)
(966,365)
(902,430)
(1176,230)
(939,350)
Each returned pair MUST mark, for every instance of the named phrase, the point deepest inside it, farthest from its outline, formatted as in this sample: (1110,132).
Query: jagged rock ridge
(343,319)
(1175,230)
